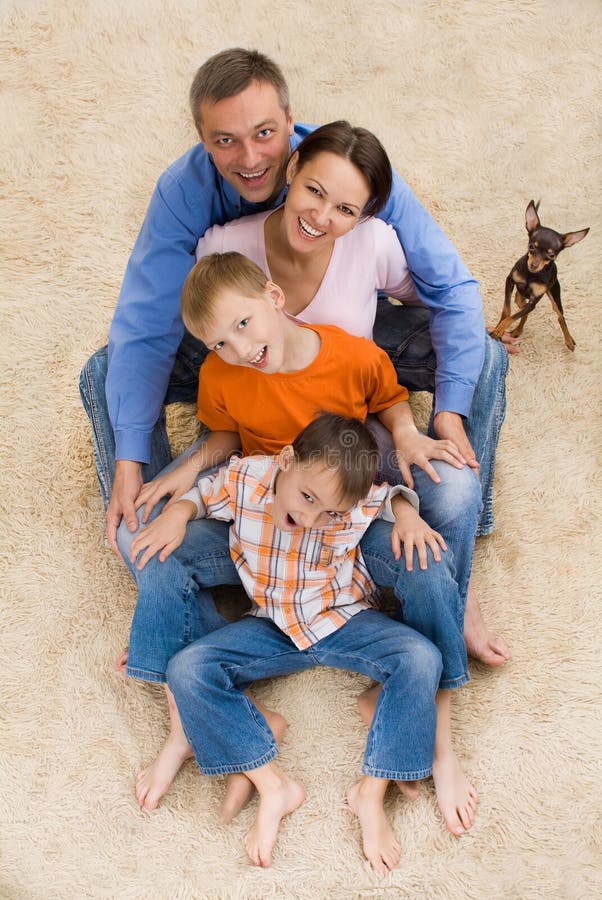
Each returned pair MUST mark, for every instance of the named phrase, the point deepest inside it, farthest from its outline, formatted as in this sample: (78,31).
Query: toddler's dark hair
(345,445)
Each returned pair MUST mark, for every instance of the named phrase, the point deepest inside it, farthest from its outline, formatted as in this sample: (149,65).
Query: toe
(455,824)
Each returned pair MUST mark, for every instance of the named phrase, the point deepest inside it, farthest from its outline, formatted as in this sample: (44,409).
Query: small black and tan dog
(535,274)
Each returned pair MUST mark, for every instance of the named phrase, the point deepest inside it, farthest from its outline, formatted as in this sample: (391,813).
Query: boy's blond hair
(209,278)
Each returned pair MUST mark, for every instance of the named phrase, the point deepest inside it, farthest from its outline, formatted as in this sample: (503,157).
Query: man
(240,104)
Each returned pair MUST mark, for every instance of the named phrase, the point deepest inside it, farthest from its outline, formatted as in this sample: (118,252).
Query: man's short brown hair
(209,277)
(229,73)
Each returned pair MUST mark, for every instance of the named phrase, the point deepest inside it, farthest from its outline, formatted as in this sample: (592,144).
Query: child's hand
(411,531)
(415,448)
(174,483)
(164,534)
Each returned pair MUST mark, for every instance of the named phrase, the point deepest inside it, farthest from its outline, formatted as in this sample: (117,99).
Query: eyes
(241,325)
(346,210)
(261,135)
(333,514)
(549,253)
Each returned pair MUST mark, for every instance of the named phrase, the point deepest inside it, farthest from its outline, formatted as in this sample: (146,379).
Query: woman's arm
(415,448)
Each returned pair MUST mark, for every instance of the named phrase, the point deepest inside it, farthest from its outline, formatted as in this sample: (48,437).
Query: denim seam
(98,441)
(145,674)
(450,684)
(241,767)
(393,775)
(234,667)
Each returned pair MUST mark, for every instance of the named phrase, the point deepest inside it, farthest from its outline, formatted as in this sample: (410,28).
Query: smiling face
(248,330)
(306,495)
(325,200)
(248,137)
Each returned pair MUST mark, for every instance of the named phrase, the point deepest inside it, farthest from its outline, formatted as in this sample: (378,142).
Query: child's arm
(165,533)
(411,531)
(216,449)
(415,448)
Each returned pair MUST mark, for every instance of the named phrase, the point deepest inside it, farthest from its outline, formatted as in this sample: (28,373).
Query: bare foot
(482,643)
(154,782)
(239,789)
(456,797)
(276,800)
(381,849)
(121,662)
(366,703)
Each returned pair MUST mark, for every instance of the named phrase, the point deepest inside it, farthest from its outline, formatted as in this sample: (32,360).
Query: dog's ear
(573,237)
(531,217)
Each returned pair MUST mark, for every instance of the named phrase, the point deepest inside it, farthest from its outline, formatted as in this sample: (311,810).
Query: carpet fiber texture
(482,107)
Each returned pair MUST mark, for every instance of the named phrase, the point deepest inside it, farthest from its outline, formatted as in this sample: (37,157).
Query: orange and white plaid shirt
(309,582)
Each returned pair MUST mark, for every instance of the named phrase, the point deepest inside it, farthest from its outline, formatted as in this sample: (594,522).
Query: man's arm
(446,287)
(147,326)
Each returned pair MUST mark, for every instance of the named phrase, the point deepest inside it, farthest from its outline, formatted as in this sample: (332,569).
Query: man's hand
(165,534)
(411,531)
(126,487)
(415,448)
(450,426)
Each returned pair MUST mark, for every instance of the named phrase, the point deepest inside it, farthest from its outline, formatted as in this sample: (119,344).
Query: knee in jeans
(425,661)
(94,371)
(496,361)
(189,666)
(459,492)
(125,536)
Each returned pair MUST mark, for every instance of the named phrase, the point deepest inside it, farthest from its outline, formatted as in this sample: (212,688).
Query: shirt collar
(265,485)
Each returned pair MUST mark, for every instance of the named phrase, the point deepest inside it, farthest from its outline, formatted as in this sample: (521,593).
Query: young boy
(297,520)
(266,379)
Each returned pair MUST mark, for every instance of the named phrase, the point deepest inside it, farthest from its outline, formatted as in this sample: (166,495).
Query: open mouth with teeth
(307,230)
(253,177)
(260,360)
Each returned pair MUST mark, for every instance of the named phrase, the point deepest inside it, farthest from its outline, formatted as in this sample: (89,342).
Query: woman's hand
(411,532)
(415,448)
(173,484)
(165,534)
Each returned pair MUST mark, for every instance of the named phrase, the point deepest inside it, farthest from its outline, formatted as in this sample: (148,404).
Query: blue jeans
(229,734)
(452,506)
(402,331)
(175,606)
(429,600)
(411,352)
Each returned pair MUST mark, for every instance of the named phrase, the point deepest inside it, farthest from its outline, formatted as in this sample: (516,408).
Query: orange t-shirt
(350,376)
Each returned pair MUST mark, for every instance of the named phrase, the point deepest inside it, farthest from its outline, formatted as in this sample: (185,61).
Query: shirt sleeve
(212,496)
(446,287)
(386,511)
(392,272)
(212,409)
(147,326)
(211,242)
(383,389)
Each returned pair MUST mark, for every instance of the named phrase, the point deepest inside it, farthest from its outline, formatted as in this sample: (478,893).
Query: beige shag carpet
(482,106)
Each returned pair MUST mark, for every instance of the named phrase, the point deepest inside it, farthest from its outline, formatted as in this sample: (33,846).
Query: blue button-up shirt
(189,198)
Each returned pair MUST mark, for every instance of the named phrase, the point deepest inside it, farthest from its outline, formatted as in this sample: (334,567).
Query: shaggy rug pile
(482,107)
